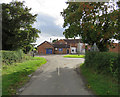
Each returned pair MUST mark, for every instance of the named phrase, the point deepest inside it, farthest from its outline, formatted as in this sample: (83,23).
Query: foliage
(103,85)
(15,76)
(17,30)
(9,57)
(74,56)
(92,22)
(55,40)
(103,62)
(117,14)
(27,48)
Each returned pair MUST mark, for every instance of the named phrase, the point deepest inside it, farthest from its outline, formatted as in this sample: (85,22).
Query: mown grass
(74,56)
(16,75)
(101,84)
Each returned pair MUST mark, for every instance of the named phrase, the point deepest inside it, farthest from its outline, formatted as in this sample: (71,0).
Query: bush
(27,49)
(106,62)
(9,57)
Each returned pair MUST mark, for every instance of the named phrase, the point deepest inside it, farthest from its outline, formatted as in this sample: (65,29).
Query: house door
(73,50)
(67,51)
(48,51)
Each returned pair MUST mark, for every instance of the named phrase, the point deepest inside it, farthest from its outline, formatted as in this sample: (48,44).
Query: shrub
(9,57)
(106,62)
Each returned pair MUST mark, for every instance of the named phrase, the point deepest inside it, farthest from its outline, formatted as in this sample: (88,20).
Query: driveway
(57,77)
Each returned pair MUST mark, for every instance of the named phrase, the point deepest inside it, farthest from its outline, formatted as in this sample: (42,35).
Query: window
(60,49)
(72,50)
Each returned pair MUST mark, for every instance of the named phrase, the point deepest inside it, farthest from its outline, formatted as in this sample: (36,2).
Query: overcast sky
(49,20)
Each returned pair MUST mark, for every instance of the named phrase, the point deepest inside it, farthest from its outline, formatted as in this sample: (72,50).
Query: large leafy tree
(117,14)
(93,22)
(17,30)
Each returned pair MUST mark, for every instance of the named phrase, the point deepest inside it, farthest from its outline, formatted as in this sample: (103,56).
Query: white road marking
(58,71)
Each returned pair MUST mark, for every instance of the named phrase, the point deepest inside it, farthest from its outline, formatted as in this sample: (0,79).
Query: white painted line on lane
(58,71)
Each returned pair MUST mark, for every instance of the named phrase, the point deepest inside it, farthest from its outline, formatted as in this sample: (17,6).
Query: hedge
(9,57)
(105,62)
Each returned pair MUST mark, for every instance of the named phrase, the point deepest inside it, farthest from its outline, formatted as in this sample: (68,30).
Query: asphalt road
(57,77)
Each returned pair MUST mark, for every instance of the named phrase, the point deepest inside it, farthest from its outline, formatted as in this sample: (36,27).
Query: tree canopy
(94,22)
(17,30)
(54,40)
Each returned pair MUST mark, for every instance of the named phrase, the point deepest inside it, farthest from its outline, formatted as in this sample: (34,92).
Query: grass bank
(103,85)
(16,75)
(74,56)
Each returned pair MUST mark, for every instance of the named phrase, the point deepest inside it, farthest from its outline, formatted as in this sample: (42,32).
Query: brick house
(62,46)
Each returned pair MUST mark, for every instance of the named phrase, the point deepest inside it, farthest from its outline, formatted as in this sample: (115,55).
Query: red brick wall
(116,49)
(62,52)
(42,48)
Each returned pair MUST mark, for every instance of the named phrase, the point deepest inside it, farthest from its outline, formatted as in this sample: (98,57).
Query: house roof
(72,40)
(46,42)
(61,46)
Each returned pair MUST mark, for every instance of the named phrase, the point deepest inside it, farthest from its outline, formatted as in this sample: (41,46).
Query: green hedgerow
(105,62)
(9,57)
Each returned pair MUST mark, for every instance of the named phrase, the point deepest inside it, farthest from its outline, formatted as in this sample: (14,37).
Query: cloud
(47,25)
(49,7)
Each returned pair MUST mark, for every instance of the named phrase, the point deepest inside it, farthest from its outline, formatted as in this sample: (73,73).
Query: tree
(17,30)
(90,21)
(27,48)
(117,19)
(55,40)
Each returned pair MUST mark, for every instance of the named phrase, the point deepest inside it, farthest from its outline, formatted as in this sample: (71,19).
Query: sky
(49,21)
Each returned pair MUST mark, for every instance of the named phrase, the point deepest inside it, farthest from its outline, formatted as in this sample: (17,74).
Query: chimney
(50,40)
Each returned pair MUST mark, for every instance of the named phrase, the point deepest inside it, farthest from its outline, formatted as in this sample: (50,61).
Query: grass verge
(102,84)
(74,56)
(15,76)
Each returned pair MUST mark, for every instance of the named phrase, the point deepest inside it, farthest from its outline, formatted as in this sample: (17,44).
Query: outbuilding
(45,48)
